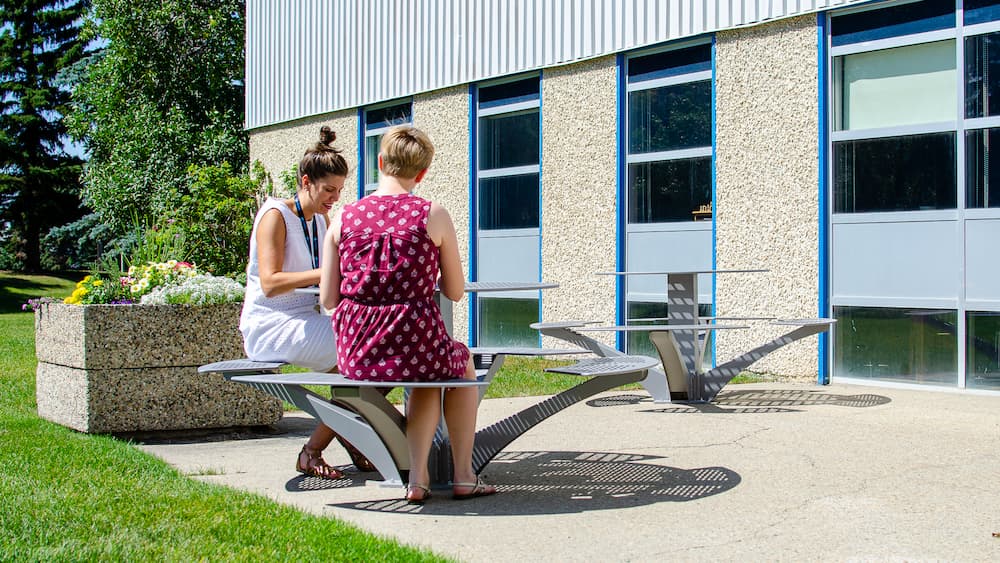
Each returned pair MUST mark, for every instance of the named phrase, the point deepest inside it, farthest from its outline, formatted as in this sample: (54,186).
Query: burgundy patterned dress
(387,325)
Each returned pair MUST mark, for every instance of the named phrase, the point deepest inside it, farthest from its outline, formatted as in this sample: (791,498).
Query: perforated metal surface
(595,367)
(337,380)
(525,351)
(244,365)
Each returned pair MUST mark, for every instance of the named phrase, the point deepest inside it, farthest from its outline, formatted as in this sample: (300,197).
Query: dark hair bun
(326,135)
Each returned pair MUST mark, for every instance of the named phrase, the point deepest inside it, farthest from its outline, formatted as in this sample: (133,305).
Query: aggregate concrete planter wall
(127,368)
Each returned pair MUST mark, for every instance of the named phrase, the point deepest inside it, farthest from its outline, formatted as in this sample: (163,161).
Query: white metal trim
(894,42)
(898,131)
(980,29)
(943,303)
(699,76)
(509,233)
(926,216)
(509,108)
(512,171)
(668,227)
(639,158)
(980,122)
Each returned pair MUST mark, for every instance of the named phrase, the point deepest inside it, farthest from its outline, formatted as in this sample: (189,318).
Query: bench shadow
(751,401)
(566,482)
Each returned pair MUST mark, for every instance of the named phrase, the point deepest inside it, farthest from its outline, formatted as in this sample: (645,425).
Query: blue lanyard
(314,249)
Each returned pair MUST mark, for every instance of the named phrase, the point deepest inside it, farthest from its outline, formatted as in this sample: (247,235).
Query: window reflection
(506,322)
(982,75)
(508,140)
(907,173)
(908,345)
(982,179)
(669,190)
(509,202)
(983,351)
(671,118)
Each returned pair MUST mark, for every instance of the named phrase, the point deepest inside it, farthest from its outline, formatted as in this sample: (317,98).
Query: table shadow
(567,482)
(751,401)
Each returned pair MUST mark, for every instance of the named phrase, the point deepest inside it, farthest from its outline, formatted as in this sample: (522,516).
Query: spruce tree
(39,181)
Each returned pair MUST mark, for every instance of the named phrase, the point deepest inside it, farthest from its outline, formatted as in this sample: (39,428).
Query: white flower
(199,289)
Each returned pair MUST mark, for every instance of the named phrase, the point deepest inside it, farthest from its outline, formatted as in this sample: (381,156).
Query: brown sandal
(479,489)
(357,458)
(412,489)
(315,466)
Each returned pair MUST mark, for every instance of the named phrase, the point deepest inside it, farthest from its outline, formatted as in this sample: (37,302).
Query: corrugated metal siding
(307,57)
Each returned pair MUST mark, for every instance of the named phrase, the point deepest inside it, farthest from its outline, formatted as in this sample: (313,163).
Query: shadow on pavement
(751,401)
(568,482)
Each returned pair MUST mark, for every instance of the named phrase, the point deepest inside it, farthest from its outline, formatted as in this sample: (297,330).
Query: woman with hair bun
(277,323)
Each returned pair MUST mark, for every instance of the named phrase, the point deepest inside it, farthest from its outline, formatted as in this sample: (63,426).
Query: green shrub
(215,215)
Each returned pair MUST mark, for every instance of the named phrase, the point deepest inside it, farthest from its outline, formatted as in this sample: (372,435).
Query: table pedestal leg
(682,308)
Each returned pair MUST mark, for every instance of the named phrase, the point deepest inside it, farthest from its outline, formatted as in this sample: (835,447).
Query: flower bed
(127,368)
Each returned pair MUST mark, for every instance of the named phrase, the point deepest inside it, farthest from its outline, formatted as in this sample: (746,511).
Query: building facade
(842,147)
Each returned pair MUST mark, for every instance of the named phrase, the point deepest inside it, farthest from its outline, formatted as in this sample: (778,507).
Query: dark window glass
(983,352)
(372,146)
(982,75)
(905,173)
(895,21)
(670,63)
(671,117)
(909,345)
(669,190)
(980,11)
(508,140)
(507,322)
(508,93)
(509,202)
(387,116)
(982,181)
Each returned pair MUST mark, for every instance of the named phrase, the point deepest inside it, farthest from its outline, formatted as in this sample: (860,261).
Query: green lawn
(67,496)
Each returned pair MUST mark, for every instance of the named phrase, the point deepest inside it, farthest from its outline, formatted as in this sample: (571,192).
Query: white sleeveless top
(287,327)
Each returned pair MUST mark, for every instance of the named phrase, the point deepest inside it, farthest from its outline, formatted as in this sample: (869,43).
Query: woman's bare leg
(423,412)
(460,408)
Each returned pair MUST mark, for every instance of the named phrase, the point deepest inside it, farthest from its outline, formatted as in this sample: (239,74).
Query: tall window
(669,176)
(377,121)
(507,215)
(914,117)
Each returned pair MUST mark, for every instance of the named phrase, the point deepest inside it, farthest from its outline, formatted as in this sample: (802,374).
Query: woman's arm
(442,232)
(271,258)
(329,283)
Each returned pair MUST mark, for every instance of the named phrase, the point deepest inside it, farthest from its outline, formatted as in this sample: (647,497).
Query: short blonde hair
(406,151)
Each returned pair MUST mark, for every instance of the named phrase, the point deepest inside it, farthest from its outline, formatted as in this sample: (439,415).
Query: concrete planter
(128,368)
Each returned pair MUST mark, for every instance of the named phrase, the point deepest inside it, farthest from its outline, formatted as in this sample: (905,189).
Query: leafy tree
(39,182)
(164,93)
(216,216)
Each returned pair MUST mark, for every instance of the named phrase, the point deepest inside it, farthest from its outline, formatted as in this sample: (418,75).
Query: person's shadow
(555,482)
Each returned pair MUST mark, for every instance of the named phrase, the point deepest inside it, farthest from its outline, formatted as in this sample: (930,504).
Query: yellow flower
(85,279)
(98,283)
(79,292)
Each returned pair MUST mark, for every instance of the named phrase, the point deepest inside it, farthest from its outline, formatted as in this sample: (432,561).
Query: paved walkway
(769,472)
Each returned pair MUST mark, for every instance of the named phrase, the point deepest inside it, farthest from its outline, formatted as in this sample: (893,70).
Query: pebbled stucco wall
(280,147)
(578,191)
(767,142)
(444,116)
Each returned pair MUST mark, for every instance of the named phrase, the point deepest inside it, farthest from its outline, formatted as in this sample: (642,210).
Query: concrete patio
(771,471)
